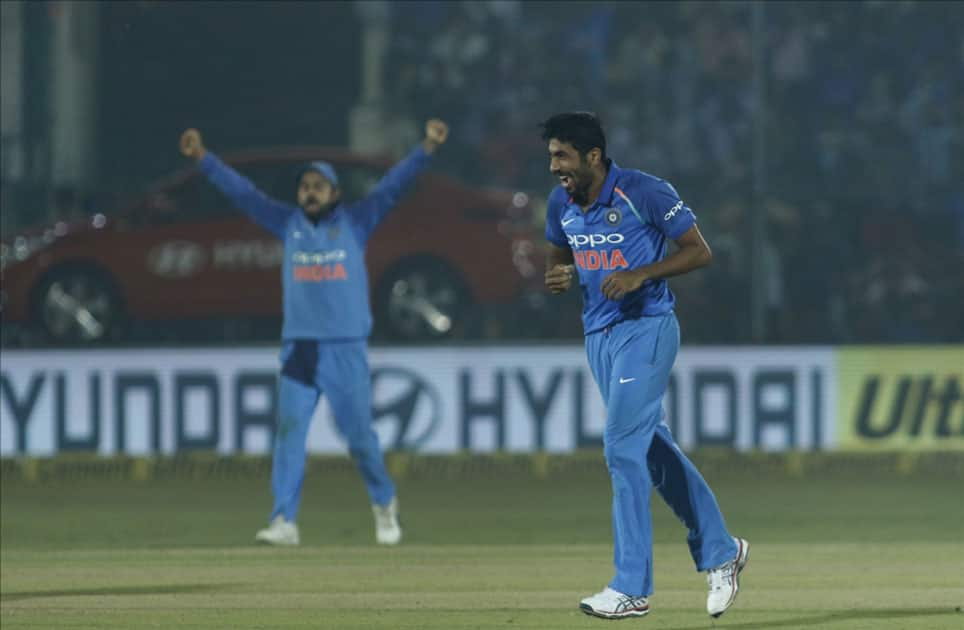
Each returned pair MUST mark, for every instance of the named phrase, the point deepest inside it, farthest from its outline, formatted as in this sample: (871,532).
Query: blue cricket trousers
(339,370)
(631,362)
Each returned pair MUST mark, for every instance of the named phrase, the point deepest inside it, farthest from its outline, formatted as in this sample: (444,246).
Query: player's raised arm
(436,133)
(388,192)
(192,146)
(268,213)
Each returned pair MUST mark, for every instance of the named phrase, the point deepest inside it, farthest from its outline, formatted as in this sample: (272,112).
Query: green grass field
(832,547)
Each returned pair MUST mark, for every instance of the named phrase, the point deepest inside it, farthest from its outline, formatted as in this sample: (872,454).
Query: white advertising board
(431,400)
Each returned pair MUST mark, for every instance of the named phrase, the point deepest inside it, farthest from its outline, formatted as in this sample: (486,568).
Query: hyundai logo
(176,259)
(408,403)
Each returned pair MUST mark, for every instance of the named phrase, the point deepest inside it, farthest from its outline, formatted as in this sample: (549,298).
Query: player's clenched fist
(619,283)
(559,278)
(191,145)
(436,132)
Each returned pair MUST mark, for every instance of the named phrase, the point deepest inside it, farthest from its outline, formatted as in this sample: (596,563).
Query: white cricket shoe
(724,580)
(610,604)
(279,532)
(387,530)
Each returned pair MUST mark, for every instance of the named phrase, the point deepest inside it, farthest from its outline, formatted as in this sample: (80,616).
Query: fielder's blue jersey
(324,277)
(626,228)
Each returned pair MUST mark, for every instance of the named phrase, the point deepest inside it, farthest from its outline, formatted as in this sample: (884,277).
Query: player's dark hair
(583,130)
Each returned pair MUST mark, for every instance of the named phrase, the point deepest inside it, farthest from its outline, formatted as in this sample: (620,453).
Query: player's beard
(581,183)
(323,210)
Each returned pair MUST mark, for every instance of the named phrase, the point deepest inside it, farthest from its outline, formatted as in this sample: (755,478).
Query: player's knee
(358,438)
(613,454)
(620,456)
(358,453)
(289,426)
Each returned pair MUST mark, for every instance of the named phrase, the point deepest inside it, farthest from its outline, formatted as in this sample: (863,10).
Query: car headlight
(23,247)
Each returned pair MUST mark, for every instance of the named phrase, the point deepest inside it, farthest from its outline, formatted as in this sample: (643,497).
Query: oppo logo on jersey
(672,211)
(592,260)
(319,258)
(593,240)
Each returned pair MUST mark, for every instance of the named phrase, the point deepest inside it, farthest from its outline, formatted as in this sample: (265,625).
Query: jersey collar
(607,191)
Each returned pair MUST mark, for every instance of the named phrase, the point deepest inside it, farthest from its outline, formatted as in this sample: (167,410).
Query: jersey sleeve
(370,211)
(554,233)
(269,213)
(667,211)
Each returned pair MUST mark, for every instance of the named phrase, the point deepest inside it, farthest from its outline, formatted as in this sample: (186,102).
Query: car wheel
(78,305)
(421,299)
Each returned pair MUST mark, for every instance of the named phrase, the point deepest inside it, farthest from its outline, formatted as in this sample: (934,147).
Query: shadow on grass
(836,617)
(146,589)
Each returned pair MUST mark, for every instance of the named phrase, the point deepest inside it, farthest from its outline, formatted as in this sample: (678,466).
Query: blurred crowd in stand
(841,123)
(862,179)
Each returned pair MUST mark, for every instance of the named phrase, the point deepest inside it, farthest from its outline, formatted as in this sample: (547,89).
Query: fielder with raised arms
(327,319)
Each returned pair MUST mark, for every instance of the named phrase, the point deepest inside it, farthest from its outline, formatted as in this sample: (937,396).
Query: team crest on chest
(613,216)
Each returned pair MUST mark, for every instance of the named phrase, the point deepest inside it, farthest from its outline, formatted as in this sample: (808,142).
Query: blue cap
(325,169)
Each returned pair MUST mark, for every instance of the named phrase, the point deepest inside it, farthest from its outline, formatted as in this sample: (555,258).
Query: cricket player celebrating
(609,227)
(327,319)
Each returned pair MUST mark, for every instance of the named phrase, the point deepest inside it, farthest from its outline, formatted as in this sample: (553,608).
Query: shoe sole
(275,543)
(635,612)
(744,556)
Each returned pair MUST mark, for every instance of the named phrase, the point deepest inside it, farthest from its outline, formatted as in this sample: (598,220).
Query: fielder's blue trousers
(339,370)
(631,363)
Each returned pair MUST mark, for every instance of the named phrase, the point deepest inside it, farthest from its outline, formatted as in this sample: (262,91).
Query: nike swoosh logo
(568,221)
(626,380)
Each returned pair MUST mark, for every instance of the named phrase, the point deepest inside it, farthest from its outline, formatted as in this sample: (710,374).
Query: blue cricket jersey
(626,228)
(324,277)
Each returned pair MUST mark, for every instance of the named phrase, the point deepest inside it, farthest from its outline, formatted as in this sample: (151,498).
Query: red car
(182,252)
